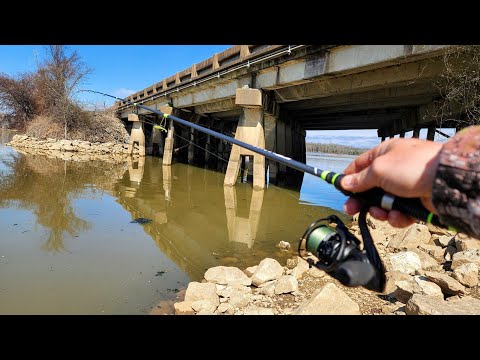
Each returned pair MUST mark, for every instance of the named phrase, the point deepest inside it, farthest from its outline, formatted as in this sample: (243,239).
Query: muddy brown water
(67,244)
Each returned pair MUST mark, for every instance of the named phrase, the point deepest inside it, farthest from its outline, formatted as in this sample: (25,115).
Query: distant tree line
(334,149)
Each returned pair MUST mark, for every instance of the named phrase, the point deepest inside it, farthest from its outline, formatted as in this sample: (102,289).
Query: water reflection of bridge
(194,215)
(189,214)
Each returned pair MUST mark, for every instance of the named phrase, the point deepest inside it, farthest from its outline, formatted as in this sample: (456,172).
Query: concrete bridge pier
(136,135)
(249,130)
(168,149)
(156,143)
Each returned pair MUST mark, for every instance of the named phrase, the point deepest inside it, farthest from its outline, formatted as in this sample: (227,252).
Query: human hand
(401,167)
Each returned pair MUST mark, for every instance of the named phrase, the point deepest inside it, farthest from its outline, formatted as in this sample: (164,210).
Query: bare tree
(459,86)
(17,99)
(58,79)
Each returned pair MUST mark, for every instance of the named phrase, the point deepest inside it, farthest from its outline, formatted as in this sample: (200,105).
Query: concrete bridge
(269,95)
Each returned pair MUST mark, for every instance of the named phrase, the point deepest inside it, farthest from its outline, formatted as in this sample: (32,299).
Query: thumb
(360,181)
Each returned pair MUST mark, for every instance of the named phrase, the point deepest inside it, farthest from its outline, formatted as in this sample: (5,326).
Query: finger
(352,206)
(361,161)
(397,219)
(361,181)
(378,213)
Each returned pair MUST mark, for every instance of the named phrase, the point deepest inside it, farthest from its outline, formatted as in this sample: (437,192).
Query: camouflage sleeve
(456,188)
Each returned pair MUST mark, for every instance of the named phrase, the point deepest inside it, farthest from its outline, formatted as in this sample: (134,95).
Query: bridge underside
(318,88)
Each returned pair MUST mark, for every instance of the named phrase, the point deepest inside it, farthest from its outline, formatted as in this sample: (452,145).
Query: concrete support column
(157,146)
(168,149)
(136,135)
(190,146)
(207,150)
(431,133)
(270,125)
(416,133)
(249,130)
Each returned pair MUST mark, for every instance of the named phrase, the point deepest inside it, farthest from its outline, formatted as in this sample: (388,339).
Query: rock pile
(71,148)
(429,271)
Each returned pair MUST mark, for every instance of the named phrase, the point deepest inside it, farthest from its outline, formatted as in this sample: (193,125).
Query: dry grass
(95,126)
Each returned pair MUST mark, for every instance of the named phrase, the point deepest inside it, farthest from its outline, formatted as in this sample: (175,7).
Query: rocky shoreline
(72,149)
(429,271)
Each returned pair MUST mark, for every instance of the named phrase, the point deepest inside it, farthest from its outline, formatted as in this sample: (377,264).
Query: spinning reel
(339,254)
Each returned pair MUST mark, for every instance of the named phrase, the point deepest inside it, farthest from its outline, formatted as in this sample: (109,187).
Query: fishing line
(373,197)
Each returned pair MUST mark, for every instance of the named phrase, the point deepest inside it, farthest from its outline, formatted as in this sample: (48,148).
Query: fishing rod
(336,250)
(373,197)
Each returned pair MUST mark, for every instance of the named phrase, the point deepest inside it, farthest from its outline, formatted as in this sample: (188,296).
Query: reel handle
(355,273)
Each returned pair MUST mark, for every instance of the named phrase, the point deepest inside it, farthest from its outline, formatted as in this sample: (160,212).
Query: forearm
(456,187)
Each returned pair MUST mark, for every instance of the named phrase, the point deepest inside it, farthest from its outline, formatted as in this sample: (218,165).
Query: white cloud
(123,92)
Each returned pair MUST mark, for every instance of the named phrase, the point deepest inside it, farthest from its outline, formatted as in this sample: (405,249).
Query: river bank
(429,271)
(72,149)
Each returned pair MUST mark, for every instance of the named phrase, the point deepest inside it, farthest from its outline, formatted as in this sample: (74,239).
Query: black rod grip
(373,197)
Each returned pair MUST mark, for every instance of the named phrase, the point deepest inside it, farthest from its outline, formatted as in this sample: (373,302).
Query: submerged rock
(141,221)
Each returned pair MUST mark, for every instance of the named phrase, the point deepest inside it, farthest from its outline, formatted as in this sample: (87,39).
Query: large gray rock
(328,300)
(316,272)
(239,299)
(449,285)
(465,257)
(204,305)
(202,291)
(225,308)
(392,277)
(428,262)
(249,271)
(286,284)
(406,262)
(378,236)
(291,263)
(404,290)
(284,245)
(437,252)
(428,305)
(256,310)
(384,226)
(440,230)
(464,242)
(445,240)
(267,288)
(467,274)
(410,237)
(301,268)
(419,285)
(268,269)
(184,308)
(227,292)
(227,275)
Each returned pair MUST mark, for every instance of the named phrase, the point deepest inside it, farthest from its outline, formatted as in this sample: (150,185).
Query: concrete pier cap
(248,97)
(133,117)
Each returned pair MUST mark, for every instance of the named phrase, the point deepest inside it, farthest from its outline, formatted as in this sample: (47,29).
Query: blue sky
(117,69)
(123,69)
